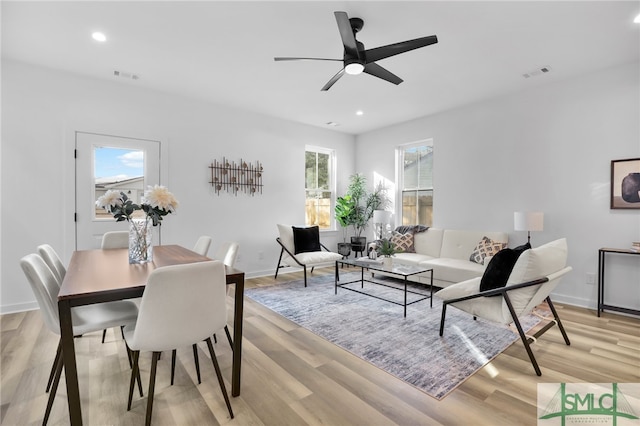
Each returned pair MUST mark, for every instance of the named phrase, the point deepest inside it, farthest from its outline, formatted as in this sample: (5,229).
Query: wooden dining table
(96,276)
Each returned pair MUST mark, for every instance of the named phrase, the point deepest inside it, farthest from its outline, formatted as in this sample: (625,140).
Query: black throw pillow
(499,268)
(306,239)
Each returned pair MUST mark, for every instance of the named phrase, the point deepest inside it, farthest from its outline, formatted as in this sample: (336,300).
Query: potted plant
(387,249)
(343,212)
(365,204)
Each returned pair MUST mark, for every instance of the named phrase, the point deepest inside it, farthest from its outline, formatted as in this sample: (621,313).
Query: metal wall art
(233,177)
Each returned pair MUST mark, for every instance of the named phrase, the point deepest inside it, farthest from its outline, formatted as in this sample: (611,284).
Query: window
(415,168)
(319,187)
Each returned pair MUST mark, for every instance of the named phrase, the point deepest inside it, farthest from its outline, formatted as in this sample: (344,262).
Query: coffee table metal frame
(404,271)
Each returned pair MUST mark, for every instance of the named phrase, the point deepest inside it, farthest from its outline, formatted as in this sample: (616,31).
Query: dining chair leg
(173,365)
(214,360)
(54,389)
(122,331)
(135,372)
(215,339)
(152,385)
(53,366)
(197,362)
(226,330)
(104,333)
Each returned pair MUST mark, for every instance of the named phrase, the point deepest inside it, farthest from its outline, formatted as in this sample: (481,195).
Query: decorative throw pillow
(402,242)
(498,270)
(486,247)
(306,239)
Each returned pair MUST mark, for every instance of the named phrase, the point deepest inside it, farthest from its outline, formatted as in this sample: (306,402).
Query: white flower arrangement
(157,202)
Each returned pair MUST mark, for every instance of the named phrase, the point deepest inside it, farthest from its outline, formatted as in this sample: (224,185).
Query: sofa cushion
(410,258)
(458,244)
(500,267)
(306,239)
(428,242)
(402,242)
(486,247)
(453,270)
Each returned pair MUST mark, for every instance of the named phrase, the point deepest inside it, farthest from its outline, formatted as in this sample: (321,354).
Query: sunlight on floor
(493,372)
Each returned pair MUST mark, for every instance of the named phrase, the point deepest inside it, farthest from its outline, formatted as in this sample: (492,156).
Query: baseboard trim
(18,307)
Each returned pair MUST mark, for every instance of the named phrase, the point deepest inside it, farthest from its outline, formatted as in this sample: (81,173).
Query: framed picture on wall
(625,184)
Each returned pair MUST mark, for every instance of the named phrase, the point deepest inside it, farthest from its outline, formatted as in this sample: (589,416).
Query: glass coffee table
(396,270)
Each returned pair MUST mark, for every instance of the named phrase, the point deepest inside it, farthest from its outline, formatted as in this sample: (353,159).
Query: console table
(601,262)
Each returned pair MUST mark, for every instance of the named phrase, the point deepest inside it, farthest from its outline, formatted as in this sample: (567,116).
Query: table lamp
(528,221)
(380,219)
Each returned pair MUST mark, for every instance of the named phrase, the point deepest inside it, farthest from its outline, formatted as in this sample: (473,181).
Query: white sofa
(447,252)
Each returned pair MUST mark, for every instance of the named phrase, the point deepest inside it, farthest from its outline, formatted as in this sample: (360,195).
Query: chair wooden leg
(215,339)
(54,389)
(523,337)
(152,386)
(557,318)
(226,330)
(444,312)
(305,275)
(53,366)
(135,371)
(214,360)
(173,365)
(122,331)
(104,334)
(196,361)
(130,356)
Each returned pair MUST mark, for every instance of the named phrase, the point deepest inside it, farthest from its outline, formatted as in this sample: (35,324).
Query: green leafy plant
(387,249)
(343,212)
(365,202)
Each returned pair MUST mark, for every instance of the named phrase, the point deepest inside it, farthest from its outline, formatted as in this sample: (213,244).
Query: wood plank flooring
(292,377)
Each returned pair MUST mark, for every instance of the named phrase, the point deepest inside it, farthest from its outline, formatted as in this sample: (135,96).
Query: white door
(106,162)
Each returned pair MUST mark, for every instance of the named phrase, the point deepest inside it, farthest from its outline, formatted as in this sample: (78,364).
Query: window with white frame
(319,186)
(415,180)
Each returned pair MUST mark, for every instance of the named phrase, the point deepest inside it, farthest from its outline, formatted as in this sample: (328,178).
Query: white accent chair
(289,256)
(53,261)
(202,245)
(535,275)
(181,305)
(227,253)
(115,240)
(86,319)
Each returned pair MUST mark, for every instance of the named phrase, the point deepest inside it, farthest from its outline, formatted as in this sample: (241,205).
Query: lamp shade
(381,216)
(528,221)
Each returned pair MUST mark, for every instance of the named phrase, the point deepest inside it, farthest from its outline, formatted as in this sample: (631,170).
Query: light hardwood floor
(292,377)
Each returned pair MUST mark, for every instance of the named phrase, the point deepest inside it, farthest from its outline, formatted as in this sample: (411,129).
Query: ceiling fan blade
(377,71)
(346,33)
(382,52)
(279,58)
(333,80)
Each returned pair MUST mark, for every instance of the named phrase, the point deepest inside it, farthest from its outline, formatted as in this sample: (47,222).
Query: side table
(601,263)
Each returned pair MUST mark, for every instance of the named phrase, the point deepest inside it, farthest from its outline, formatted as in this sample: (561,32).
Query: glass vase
(140,241)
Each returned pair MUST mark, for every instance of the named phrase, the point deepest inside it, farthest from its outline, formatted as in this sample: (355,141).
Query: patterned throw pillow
(484,248)
(402,242)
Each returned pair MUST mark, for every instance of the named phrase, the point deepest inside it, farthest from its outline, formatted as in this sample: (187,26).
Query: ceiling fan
(356,59)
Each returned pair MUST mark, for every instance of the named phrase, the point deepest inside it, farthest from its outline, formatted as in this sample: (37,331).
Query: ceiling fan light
(354,68)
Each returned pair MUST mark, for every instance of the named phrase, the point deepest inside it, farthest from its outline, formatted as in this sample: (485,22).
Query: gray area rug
(375,330)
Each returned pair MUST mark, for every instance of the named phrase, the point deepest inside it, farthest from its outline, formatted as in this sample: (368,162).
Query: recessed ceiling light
(98,36)
(637,20)
(359,112)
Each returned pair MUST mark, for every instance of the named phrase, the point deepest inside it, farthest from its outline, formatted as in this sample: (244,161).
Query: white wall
(41,110)
(546,149)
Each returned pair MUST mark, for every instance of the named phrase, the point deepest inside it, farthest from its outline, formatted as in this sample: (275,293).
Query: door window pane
(120,170)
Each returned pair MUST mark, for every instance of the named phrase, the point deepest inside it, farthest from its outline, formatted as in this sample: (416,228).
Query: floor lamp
(528,221)
(380,219)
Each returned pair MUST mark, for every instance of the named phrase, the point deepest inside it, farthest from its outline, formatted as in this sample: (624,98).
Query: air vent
(127,75)
(537,72)
(332,123)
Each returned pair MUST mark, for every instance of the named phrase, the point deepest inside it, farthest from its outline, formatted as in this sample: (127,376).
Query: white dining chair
(86,319)
(188,303)
(227,253)
(115,240)
(202,245)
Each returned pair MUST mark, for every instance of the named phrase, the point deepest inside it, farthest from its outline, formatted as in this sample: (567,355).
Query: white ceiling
(223,52)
